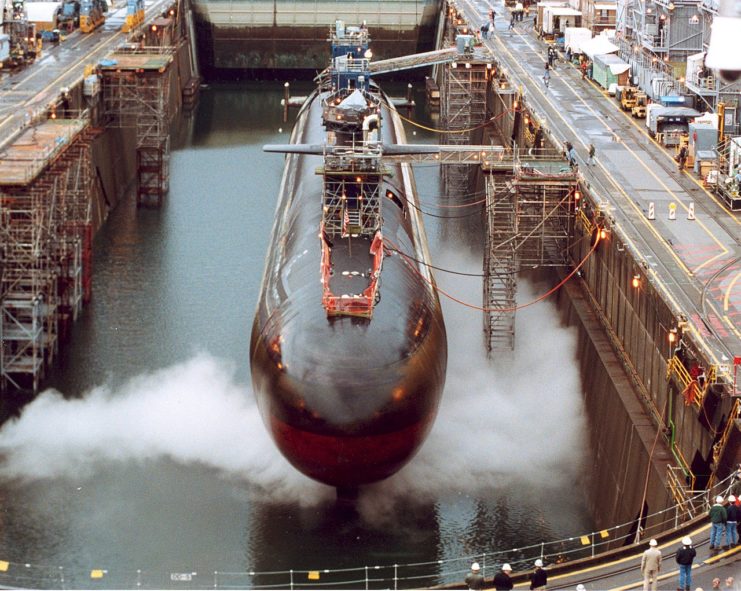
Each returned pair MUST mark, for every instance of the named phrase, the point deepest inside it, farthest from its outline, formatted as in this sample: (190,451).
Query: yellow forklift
(639,107)
(628,98)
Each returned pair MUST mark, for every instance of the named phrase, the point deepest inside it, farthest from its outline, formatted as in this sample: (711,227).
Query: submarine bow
(348,350)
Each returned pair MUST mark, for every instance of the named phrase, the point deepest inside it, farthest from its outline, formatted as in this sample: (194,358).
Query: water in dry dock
(154,457)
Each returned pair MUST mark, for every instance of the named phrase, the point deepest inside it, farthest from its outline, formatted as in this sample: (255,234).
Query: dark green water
(153,459)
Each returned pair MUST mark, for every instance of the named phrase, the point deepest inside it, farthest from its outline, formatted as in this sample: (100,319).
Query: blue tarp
(671,100)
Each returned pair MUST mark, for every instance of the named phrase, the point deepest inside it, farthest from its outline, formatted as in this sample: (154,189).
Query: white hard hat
(731,499)
(653,543)
(506,566)
(581,587)
(687,541)
(539,563)
(475,566)
(718,499)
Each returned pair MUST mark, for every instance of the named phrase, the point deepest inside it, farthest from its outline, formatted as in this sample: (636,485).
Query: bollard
(691,211)
(651,210)
(672,211)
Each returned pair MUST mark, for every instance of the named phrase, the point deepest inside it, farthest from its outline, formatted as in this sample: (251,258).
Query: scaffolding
(529,223)
(352,195)
(136,94)
(45,206)
(659,38)
(462,113)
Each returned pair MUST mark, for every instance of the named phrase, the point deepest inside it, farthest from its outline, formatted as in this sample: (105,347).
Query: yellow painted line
(640,128)
(675,573)
(724,317)
(721,555)
(52,83)
(728,291)
(711,259)
(700,338)
(630,558)
(630,201)
(632,153)
(662,150)
(27,78)
(639,584)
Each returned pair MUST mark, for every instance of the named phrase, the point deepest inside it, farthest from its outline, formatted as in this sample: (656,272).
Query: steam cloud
(500,421)
(517,418)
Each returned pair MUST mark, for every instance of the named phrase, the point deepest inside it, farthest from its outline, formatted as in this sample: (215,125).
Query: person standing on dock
(539,577)
(651,566)
(718,517)
(733,512)
(685,556)
(682,157)
(592,152)
(572,156)
(502,581)
(474,579)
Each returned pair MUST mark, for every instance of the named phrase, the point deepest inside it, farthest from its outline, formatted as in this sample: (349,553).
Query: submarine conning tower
(351,239)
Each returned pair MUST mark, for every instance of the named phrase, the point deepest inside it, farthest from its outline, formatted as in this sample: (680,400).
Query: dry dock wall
(647,437)
(627,458)
(641,422)
(264,36)
(88,176)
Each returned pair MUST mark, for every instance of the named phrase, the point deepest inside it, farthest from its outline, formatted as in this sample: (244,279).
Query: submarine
(348,350)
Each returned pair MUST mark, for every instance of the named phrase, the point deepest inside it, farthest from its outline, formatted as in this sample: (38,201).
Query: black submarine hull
(347,400)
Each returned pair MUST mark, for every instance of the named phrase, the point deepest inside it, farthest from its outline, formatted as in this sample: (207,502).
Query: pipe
(374,118)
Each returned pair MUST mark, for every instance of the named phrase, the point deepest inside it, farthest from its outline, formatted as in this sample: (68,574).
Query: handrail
(392,575)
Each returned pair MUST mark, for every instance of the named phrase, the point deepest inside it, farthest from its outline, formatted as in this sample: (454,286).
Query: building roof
(41,12)
(563,11)
(617,65)
(598,45)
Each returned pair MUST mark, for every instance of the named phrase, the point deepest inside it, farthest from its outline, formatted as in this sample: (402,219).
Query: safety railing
(383,576)
(694,388)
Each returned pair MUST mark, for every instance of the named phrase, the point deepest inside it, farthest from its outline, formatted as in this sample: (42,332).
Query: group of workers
(502,580)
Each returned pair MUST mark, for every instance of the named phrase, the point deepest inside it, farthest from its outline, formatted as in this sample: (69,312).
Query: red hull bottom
(347,461)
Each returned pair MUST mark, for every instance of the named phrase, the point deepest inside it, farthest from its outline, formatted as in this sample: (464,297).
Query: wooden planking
(22,160)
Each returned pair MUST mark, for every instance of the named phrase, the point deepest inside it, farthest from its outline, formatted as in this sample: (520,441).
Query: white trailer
(574,37)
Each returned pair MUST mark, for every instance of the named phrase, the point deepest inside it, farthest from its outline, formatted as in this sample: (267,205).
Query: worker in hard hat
(651,566)
(718,517)
(502,580)
(684,557)
(733,516)
(539,576)
(474,579)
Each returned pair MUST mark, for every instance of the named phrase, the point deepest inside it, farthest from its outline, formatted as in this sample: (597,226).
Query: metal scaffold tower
(530,223)
(45,209)
(462,111)
(500,266)
(73,226)
(136,93)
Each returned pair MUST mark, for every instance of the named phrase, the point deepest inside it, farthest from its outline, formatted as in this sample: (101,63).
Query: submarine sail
(348,350)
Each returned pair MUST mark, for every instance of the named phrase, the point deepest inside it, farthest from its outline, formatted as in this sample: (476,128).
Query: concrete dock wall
(257,36)
(627,473)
